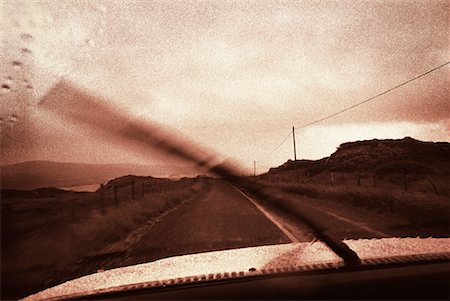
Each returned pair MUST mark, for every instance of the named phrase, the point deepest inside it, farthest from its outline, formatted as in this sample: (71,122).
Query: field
(50,235)
(422,201)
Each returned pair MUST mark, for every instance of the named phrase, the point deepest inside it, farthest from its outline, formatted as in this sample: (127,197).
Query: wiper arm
(73,104)
(341,249)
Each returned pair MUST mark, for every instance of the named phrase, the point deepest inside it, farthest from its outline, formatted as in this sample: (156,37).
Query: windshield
(140,130)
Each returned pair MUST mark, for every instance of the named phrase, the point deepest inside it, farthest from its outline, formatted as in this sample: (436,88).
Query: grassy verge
(43,236)
(419,209)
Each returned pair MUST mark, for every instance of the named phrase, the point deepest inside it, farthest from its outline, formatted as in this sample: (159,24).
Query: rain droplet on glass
(89,42)
(5,88)
(17,64)
(14,118)
(26,50)
(26,37)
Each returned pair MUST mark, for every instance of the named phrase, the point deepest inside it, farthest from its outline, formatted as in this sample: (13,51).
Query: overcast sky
(233,76)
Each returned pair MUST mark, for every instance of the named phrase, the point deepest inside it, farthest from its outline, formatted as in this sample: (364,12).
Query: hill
(402,183)
(39,174)
(382,157)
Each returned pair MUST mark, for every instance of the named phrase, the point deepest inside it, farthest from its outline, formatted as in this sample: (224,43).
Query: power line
(278,146)
(354,106)
(371,98)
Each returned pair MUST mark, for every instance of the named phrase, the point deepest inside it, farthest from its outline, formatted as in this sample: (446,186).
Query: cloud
(245,71)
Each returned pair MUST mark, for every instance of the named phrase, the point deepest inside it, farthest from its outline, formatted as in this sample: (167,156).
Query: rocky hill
(380,156)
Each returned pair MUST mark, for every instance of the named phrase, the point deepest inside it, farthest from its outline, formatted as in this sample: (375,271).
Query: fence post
(116,201)
(405,183)
(432,184)
(102,194)
(132,189)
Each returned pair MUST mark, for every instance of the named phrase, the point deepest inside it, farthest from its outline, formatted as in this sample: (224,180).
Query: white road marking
(269,216)
(359,225)
(367,228)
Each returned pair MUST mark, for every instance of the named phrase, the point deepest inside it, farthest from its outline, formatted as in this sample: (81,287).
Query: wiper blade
(341,249)
(79,107)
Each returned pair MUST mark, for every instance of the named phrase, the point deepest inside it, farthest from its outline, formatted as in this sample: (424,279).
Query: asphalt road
(225,218)
(220,219)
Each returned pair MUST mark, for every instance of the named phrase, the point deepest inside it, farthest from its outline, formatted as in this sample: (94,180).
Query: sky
(233,76)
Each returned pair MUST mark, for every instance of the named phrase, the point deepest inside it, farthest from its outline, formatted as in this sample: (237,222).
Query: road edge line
(359,225)
(269,216)
(349,221)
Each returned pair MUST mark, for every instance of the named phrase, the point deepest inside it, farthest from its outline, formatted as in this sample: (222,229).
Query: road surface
(226,218)
(221,218)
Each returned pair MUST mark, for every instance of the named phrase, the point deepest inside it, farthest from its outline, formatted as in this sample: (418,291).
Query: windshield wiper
(341,249)
(81,108)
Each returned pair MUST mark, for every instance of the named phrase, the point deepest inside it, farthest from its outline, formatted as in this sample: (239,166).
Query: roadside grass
(45,236)
(420,205)
(427,184)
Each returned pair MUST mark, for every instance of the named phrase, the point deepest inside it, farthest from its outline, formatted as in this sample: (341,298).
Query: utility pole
(293,137)
(254,168)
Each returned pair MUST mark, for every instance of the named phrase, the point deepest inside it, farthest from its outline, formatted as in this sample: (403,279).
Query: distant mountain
(380,156)
(39,174)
